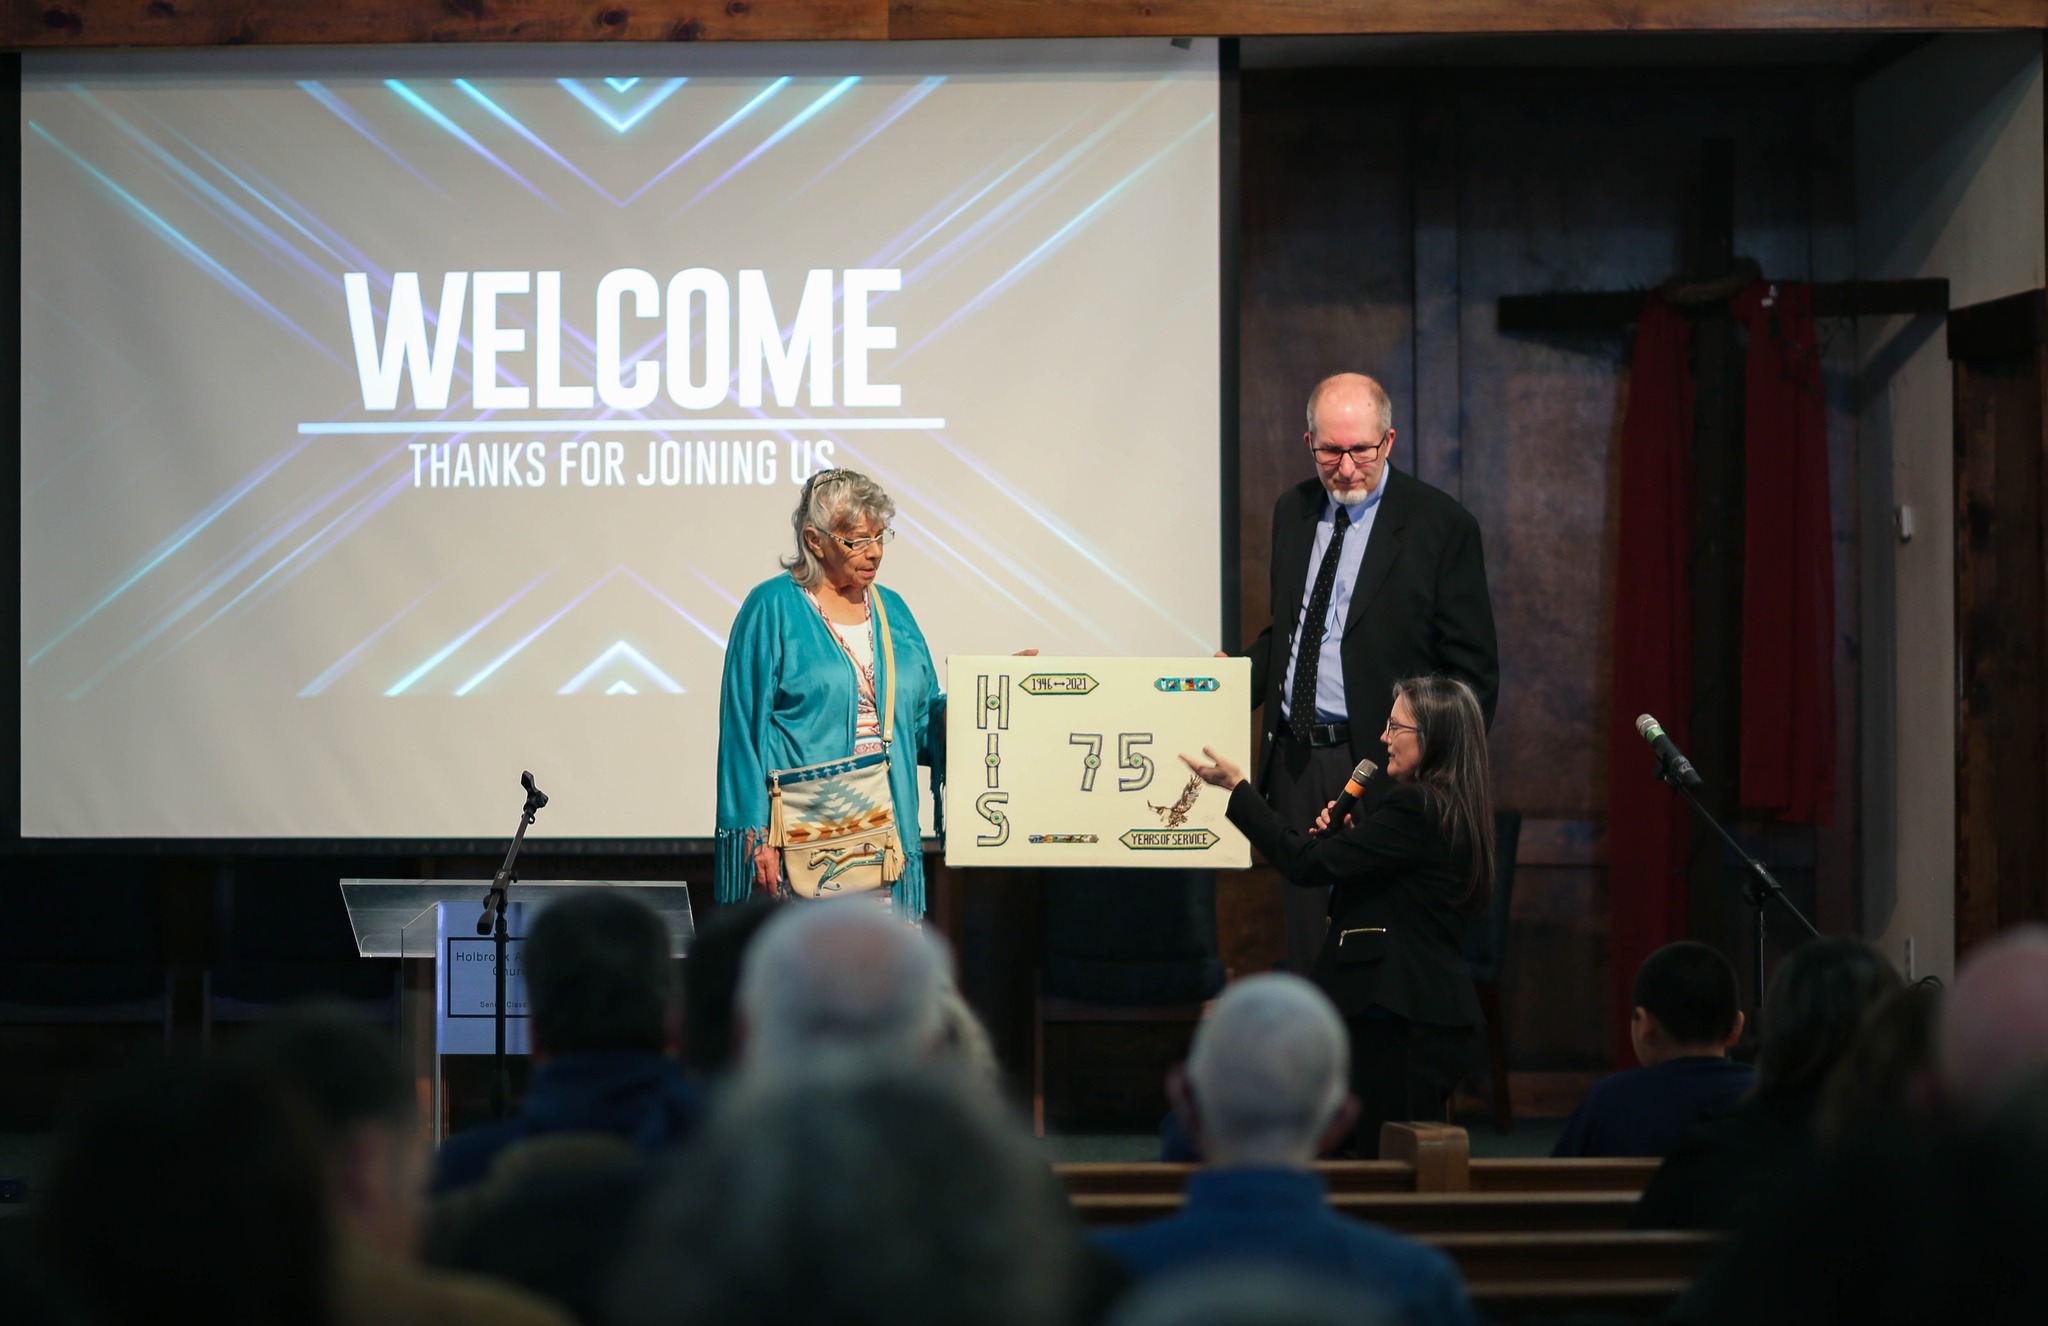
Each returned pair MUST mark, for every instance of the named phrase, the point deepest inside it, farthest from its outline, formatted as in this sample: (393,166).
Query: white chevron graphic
(618,651)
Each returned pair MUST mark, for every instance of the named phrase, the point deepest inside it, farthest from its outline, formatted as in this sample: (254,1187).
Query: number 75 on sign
(1075,760)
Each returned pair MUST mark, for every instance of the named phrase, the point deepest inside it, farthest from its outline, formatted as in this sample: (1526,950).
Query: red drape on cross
(1647,833)
(1787,721)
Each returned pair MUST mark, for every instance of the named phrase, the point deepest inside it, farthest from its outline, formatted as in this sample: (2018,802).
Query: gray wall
(1949,183)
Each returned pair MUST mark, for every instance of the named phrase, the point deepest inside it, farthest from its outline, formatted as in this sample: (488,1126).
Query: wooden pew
(1532,1237)
(1633,1273)
(1409,1212)
(1530,1174)
(1423,1158)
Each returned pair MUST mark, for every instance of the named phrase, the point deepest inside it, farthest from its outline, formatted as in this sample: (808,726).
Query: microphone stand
(492,923)
(1758,888)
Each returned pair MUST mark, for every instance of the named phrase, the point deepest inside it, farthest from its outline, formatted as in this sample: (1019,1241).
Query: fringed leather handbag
(835,822)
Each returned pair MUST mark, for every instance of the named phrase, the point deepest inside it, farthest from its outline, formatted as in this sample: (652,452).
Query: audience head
(1882,1079)
(361,1101)
(1249,1294)
(841,979)
(711,982)
(599,978)
(1685,1004)
(196,1190)
(892,1198)
(1815,1005)
(1994,1023)
(1268,1073)
(964,1041)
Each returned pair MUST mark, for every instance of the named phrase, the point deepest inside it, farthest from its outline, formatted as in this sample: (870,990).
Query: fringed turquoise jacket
(788,699)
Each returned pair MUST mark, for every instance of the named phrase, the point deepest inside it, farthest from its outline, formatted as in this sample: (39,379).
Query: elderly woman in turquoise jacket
(807,680)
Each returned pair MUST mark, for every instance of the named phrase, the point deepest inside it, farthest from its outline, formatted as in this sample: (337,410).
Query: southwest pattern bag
(835,822)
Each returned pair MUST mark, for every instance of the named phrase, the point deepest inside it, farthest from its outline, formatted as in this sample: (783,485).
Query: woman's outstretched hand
(1218,773)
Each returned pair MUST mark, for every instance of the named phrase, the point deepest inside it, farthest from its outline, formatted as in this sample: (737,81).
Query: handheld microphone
(1354,787)
(1680,767)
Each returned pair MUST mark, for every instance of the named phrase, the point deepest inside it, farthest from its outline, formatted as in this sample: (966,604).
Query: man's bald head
(1993,1030)
(825,977)
(1268,1071)
(1350,430)
(1345,392)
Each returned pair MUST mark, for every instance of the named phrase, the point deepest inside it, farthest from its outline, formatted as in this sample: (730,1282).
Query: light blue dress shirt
(1330,707)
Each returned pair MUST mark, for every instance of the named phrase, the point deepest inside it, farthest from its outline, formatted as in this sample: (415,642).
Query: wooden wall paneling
(1327,282)
(1795,213)
(1571,182)
(1326,261)
(1831,228)
(1541,209)
(997,928)
(1720,471)
(1250,935)
(1435,446)
(1555,992)
(2001,574)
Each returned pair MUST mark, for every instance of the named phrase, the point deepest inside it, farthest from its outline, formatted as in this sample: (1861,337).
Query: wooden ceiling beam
(73,24)
(1288,18)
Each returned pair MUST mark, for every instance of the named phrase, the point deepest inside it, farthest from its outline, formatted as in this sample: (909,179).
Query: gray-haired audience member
(1993,1027)
(884,1198)
(840,980)
(362,1103)
(605,1014)
(1244,1295)
(1265,1085)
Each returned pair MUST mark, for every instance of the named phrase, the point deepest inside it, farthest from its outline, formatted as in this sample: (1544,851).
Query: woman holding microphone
(1405,872)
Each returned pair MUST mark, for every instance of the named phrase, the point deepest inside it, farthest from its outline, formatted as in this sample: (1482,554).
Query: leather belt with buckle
(1321,734)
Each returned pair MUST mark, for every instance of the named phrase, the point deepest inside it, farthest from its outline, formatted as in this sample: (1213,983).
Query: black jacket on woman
(1396,938)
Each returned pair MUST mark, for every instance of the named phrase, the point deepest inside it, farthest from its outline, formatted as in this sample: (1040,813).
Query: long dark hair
(1813,1010)
(1455,769)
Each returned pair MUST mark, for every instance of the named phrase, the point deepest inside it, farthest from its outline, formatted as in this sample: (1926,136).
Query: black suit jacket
(1420,605)
(1396,938)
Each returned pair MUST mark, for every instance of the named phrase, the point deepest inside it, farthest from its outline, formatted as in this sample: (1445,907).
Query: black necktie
(1301,714)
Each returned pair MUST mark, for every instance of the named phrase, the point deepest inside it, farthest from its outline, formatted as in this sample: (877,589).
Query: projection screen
(393,422)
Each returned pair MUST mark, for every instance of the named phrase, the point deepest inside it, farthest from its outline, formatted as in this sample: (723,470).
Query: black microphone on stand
(492,923)
(1667,751)
(1354,787)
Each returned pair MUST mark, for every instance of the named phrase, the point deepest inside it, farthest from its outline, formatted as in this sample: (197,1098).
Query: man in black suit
(1376,576)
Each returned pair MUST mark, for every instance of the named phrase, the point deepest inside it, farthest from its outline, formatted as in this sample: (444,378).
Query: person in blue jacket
(807,680)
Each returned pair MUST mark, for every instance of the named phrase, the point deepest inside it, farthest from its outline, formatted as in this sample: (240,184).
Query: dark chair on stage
(83,945)
(1486,947)
(83,981)
(285,938)
(1123,946)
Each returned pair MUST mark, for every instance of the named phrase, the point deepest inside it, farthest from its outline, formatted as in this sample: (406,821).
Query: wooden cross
(1717,555)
